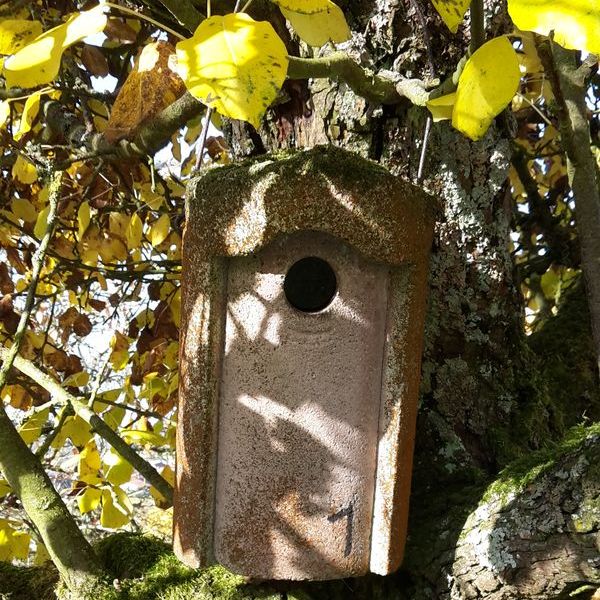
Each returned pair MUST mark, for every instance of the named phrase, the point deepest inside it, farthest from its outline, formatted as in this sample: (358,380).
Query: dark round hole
(310,284)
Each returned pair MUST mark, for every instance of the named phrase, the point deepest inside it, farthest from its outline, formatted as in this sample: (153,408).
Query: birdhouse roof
(236,210)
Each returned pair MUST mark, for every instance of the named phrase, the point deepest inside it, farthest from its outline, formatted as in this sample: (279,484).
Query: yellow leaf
(20,544)
(160,230)
(32,427)
(149,197)
(4,112)
(24,171)
(41,223)
(16,33)
(119,357)
(235,65)
(159,499)
(4,488)
(441,108)
(134,232)
(6,531)
(77,379)
(31,110)
(132,436)
(487,84)
(89,500)
(24,210)
(89,464)
(13,543)
(84,216)
(303,6)
(119,471)
(75,429)
(41,555)
(575,23)
(452,12)
(116,508)
(38,62)
(113,416)
(316,29)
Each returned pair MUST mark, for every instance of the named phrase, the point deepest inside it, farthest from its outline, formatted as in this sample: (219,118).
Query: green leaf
(234,64)
(575,23)
(38,62)
(452,12)
(316,29)
(487,84)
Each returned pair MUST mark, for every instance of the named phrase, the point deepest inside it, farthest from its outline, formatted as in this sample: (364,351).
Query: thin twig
(37,264)
(428,123)
(203,136)
(143,17)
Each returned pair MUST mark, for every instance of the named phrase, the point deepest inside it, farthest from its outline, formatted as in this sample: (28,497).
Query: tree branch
(569,88)
(68,548)
(150,474)
(477,25)
(373,87)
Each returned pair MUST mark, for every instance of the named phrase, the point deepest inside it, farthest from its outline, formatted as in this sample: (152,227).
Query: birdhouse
(304,292)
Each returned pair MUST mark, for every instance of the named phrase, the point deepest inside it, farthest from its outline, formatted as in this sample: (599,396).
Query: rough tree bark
(484,401)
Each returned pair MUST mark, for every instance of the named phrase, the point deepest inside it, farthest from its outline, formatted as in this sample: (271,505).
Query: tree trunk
(484,401)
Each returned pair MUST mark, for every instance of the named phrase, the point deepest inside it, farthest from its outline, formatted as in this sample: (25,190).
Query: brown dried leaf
(72,321)
(14,258)
(116,30)
(10,321)
(94,61)
(97,305)
(82,326)
(6,305)
(73,365)
(6,284)
(57,359)
(152,85)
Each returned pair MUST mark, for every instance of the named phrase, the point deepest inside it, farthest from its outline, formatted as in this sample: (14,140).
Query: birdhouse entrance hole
(310,284)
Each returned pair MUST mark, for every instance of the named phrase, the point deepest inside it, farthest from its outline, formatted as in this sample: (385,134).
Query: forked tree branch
(97,424)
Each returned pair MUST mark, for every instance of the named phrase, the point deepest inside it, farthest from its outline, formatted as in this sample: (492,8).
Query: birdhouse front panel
(299,410)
